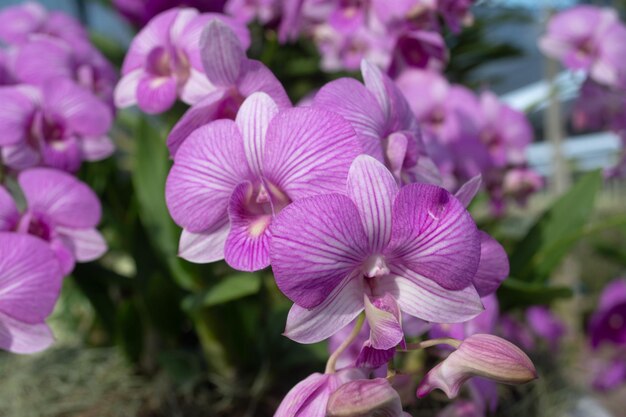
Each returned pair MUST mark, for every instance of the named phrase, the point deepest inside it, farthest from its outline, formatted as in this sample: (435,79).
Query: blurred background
(143,333)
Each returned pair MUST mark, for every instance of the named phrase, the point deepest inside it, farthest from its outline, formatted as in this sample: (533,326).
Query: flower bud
(479,355)
(310,396)
(365,398)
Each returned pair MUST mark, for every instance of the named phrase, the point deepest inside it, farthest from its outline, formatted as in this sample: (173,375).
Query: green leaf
(151,166)
(515,293)
(130,330)
(555,232)
(230,288)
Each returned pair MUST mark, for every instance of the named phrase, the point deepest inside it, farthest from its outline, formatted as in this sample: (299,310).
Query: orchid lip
(375,267)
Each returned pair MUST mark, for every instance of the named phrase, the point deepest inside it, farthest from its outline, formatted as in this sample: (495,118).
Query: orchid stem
(332,360)
(433,342)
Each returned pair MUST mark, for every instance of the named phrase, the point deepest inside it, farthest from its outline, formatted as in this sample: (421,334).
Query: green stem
(433,342)
(332,360)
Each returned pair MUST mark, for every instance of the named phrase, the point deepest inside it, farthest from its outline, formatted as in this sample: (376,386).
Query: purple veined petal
(19,21)
(257,77)
(68,201)
(23,338)
(290,22)
(468,190)
(86,245)
(219,104)
(222,54)
(247,245)
(384,318)
(125,93)
(43,58)
(308,398)
(365,398)
(370,357)
(184,18)
(253,118)
(351,100)
(96,148)
(482,355)
(493,267)
(156,94)
(308,266)
(435,236)
(30,277)
(9,216)
(396,148)
(309,151)
(196,87)
(373,79)
(16,110)
(342,305)
(64,155)
(373,189)
(64,255)
(207,168)
(83,112)
(423,298)
(19,156)
(155,33)
(204,247)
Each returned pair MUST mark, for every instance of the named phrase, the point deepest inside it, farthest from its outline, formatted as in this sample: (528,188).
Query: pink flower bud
(479,355)
(365,398)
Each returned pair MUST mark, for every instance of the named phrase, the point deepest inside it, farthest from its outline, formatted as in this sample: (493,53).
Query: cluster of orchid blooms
(357,198)
(590,39)
(56,106)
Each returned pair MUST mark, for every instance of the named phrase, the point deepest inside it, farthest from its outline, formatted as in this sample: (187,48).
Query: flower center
(35,224)
(166,62)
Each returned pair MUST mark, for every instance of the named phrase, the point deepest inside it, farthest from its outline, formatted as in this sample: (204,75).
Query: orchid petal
(156,94)
(16,110)
(468,191)
(125,93)
(204,247)
(24,338)
(493,267)
(308,398)
(308,266)
(9,216)
(196,87)
(435,236)
(253,118)
(96,148)
(30,278)
(308,152)
(257,77)
(351,100)
(68,201)
(208,167)
(365,398)
(86,245)
(423,298)
(369,357)
(373,189)
(20,156)
(383,316)
(340,307)
(222,53)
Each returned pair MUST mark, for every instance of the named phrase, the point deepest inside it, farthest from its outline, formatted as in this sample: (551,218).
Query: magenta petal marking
(435,236)
(247,245)
(369,357)
(253,118)
(207,168)
(373,189)
(308,266)
(342,305)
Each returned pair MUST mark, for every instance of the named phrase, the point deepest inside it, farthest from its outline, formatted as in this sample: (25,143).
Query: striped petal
(468,191)
(253,118)
(222,53)
(208,167)
(308,266)
(341,306)
(493,267)
(383,316)
(435,236)
(373,189)
(204,247)
(309,151)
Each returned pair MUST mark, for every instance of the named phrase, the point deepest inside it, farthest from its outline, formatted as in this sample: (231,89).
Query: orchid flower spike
(481,355)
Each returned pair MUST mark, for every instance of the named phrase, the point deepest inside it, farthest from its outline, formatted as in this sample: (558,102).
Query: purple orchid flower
(58,125)
(588,38)
(164,61)
(6,72)
(365,398)
(608,323)
(140,12)
(380,249)
(309,398)
(230,178)
(599,107)
(246,11)
(19,23)
(456,13)
(383,121)
(46,58)
(422,49)
(30,281)
(60,210)
(609,374)
(233,76)
(546,325)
